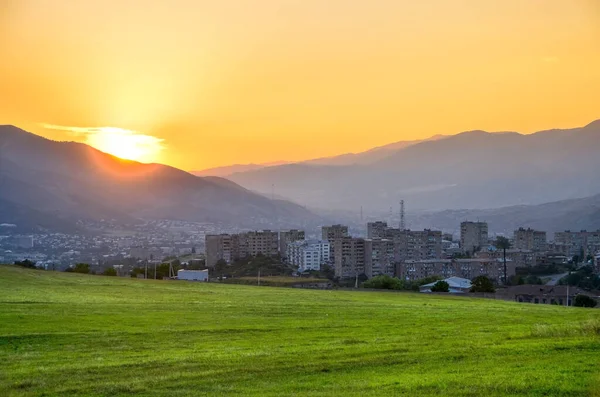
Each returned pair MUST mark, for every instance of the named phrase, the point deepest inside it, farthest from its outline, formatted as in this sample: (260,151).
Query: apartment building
(331,234)
(287,237)
(229,247)
(265,242)
(349,254)
(418,244)
(465,268)
(529,239)
(521,258)
(473,236)
(218,247)
(377,229)
(379,257)
(574,243)
(308,254)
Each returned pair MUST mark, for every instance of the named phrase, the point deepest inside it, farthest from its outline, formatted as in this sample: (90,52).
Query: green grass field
(68,334)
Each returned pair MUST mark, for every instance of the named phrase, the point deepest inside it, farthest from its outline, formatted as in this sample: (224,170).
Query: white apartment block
(308,254)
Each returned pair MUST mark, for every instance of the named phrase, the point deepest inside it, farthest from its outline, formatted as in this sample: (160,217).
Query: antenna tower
(402,216)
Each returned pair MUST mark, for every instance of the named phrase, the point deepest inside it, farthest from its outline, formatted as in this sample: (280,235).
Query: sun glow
(122,143)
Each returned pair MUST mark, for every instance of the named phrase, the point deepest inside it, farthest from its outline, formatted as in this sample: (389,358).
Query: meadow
(78,335)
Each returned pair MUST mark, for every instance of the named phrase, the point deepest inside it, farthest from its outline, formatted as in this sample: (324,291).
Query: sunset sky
(196,83)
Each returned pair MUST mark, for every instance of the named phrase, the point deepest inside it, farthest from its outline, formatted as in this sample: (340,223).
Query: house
(457,285)
(192,275)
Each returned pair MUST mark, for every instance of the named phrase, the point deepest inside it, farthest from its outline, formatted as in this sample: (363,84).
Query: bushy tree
(584,301)
(440,286)
(26,263)
(482,284)
(383,282)
(82,268)
(110,272)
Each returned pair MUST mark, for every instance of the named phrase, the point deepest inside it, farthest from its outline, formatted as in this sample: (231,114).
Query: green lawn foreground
(76,335)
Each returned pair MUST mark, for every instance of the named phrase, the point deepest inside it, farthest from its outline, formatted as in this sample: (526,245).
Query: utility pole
(146,271)
(259,276)
(155,270)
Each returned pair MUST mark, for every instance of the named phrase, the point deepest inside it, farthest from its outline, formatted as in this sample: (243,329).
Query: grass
(75,335)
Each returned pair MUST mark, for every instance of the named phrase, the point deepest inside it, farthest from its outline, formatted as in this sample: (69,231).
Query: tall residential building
(574,243)
(418,245)
(377,229)
(473,236)
(529,239)
(349,253)
(218,247)
(331,234)
(265,242)
(308,254)
(229,247)
(379,257)
(287,237)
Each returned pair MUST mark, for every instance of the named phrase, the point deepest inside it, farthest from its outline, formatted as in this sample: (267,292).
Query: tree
(110,271)
(584,301)
(26,263)
(383,282)
(503,244)
(83,268)
(440,286)
(482,284)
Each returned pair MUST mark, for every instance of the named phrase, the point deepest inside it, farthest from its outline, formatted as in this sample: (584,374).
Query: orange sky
(238,81)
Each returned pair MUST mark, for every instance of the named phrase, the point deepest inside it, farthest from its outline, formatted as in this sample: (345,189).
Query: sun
(126,144)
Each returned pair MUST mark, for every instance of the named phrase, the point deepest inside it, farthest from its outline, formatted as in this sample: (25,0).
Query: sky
(203,83)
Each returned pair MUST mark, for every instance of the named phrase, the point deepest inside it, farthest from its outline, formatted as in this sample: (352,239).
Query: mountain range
(574,214)
(49,184)
(474,169)
(368,157)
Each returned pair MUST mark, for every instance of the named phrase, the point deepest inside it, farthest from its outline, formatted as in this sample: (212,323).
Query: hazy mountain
(368,157)
(232,169)
(68,181)
(474,169)
(575,214)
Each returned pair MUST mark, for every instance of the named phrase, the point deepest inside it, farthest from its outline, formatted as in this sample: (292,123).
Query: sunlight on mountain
(126,144)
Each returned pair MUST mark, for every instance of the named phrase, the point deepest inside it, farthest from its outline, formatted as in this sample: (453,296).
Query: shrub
(440,286)
(83,268)
(110,271)
(584,301)
(482,284)
(383,282)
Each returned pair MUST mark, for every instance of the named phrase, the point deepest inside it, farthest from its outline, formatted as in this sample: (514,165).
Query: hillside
(60,182)
(75,335)
(474,169)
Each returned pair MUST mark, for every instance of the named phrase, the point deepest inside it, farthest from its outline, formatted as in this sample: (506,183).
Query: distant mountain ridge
(45,183)
(366,157)
(574,214)
(474,169)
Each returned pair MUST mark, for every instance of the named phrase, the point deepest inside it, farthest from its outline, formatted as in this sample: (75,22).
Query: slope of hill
(144,337)
(70,181)
(575,214)
(474,169)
